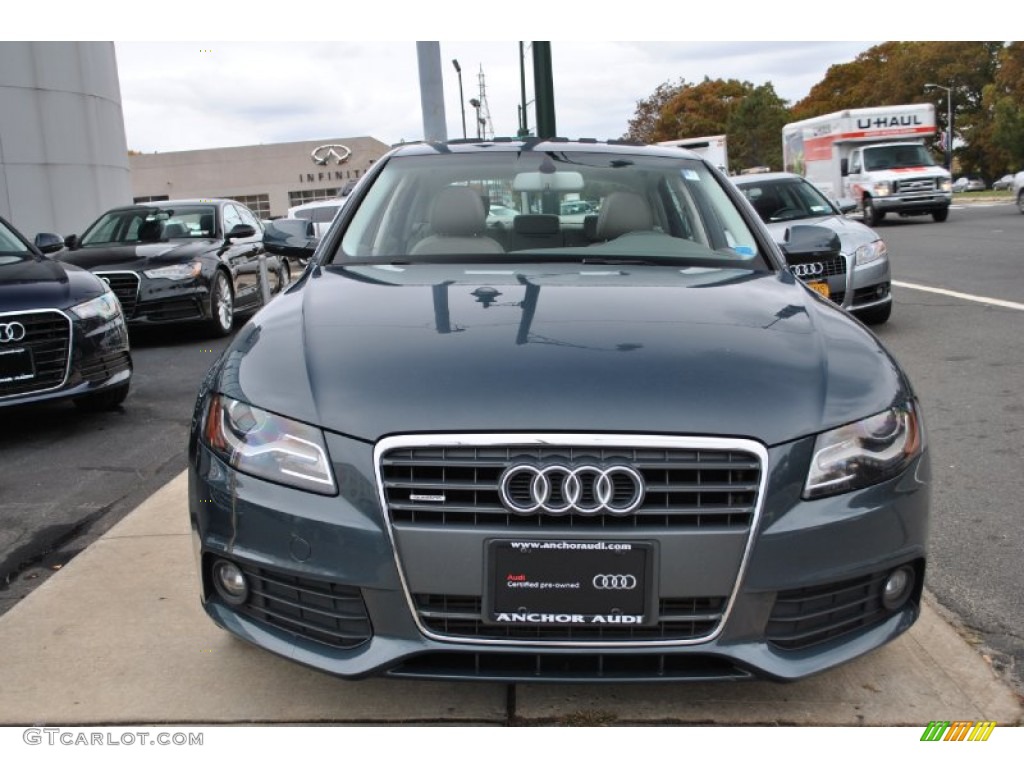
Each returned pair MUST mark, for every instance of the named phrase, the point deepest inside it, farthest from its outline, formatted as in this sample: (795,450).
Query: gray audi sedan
(628,446)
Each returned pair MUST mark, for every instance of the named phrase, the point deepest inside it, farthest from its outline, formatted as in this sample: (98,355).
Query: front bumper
(334,596)
(919,204)
(147,301)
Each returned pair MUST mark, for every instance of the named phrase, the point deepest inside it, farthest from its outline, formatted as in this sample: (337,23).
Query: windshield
(10,243)
(149,225)
(896,156)
(526,206)
(786,200)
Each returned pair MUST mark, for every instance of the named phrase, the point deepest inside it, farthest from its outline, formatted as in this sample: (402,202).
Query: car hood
(852,234)
(370,353)
(36,282)
(146,256)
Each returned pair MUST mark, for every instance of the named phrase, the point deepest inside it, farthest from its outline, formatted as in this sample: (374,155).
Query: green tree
(751,116)
(1003,101)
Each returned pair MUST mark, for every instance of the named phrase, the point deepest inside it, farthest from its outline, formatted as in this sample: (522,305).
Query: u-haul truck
(874,155)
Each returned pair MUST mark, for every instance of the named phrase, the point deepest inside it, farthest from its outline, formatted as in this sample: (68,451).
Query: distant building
(268,178)
(63,157)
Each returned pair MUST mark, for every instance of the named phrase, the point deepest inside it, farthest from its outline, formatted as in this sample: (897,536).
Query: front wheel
(940,214)
(871,214)
(222,306)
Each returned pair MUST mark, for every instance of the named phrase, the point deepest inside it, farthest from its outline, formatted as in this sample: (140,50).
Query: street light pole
(476,104)
(462,100)
(949,123)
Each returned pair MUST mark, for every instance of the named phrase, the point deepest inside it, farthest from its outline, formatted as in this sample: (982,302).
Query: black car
(62,333)
(624,446)
(180,261)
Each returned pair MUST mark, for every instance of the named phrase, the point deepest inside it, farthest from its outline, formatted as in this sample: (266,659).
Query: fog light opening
(230,582)
(898,588)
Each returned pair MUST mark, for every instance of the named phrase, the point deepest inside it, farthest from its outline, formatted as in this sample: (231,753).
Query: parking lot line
(958,295)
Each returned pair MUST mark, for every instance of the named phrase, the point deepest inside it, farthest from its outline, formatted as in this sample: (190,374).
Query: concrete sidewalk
(118,637)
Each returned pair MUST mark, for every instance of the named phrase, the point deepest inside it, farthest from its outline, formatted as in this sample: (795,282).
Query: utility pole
(544,90)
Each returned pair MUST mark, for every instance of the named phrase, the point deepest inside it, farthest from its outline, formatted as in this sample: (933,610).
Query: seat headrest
(536,224)
(458,212)
(623,212)
(149,231)
(175,229)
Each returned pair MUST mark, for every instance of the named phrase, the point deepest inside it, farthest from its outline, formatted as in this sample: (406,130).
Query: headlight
(870,252)
(105,307)
(882,188)
(864,453)
(176,271)
(267,445)
(947,185)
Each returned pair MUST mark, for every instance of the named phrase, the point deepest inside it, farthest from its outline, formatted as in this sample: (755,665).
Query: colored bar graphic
(958,730)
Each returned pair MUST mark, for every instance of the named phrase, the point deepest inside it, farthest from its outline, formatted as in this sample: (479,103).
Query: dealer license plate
(16,365)
(821,288)
(581,583)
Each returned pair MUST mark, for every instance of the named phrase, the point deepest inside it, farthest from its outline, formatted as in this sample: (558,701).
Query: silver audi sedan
(858,279)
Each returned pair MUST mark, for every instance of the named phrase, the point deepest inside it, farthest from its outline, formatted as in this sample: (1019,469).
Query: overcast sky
(180,95)
(241,85)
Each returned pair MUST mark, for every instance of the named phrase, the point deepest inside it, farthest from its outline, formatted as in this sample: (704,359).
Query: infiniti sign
(326,152)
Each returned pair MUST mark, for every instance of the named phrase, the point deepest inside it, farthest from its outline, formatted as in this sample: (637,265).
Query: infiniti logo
(558,489)
(11,332)
(614,581)
(338,152)
(808,270)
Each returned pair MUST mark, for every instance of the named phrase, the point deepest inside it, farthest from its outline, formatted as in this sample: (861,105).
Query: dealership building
(268,178)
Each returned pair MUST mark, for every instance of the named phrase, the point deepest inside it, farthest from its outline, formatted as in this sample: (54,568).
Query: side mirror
(290,237)
(845,204)
(807,243)
(241,231)
(48,242)
(844,167)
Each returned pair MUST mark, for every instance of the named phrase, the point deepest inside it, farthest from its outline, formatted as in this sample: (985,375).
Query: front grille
(684,488)
(48,336)
(805,617)
(830,268)
(462,616)
(125,286)
(166,310)
(919,184)
(103,367)
(569,667)
(316,610)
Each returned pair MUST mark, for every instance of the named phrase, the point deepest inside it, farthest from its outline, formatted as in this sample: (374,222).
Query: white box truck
(714,149)
(876,156)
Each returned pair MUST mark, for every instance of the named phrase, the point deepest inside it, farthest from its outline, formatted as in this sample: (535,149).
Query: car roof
(752,178)
(501,145)
(218,201)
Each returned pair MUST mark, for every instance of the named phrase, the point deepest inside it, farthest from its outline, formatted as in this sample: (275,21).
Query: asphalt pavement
(118,637)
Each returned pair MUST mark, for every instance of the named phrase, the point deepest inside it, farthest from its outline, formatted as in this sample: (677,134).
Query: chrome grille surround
(587,444)
(55,339)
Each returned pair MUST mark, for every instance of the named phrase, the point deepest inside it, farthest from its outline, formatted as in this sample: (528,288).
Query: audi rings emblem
(808,270)
(614,581)
(11,332)
(558,489)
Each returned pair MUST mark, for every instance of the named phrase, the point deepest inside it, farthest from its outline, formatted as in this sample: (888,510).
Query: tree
(755,129)
(1003,101)
(752,117)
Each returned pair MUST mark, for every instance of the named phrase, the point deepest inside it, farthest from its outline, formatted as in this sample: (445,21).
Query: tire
(871,214)
(940,214)
(1020,201)
(875,315)
(222,305)
(106,400)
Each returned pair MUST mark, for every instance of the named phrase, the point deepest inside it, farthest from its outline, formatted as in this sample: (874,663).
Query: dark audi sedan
(629,446)
(62,334)
(180,261)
